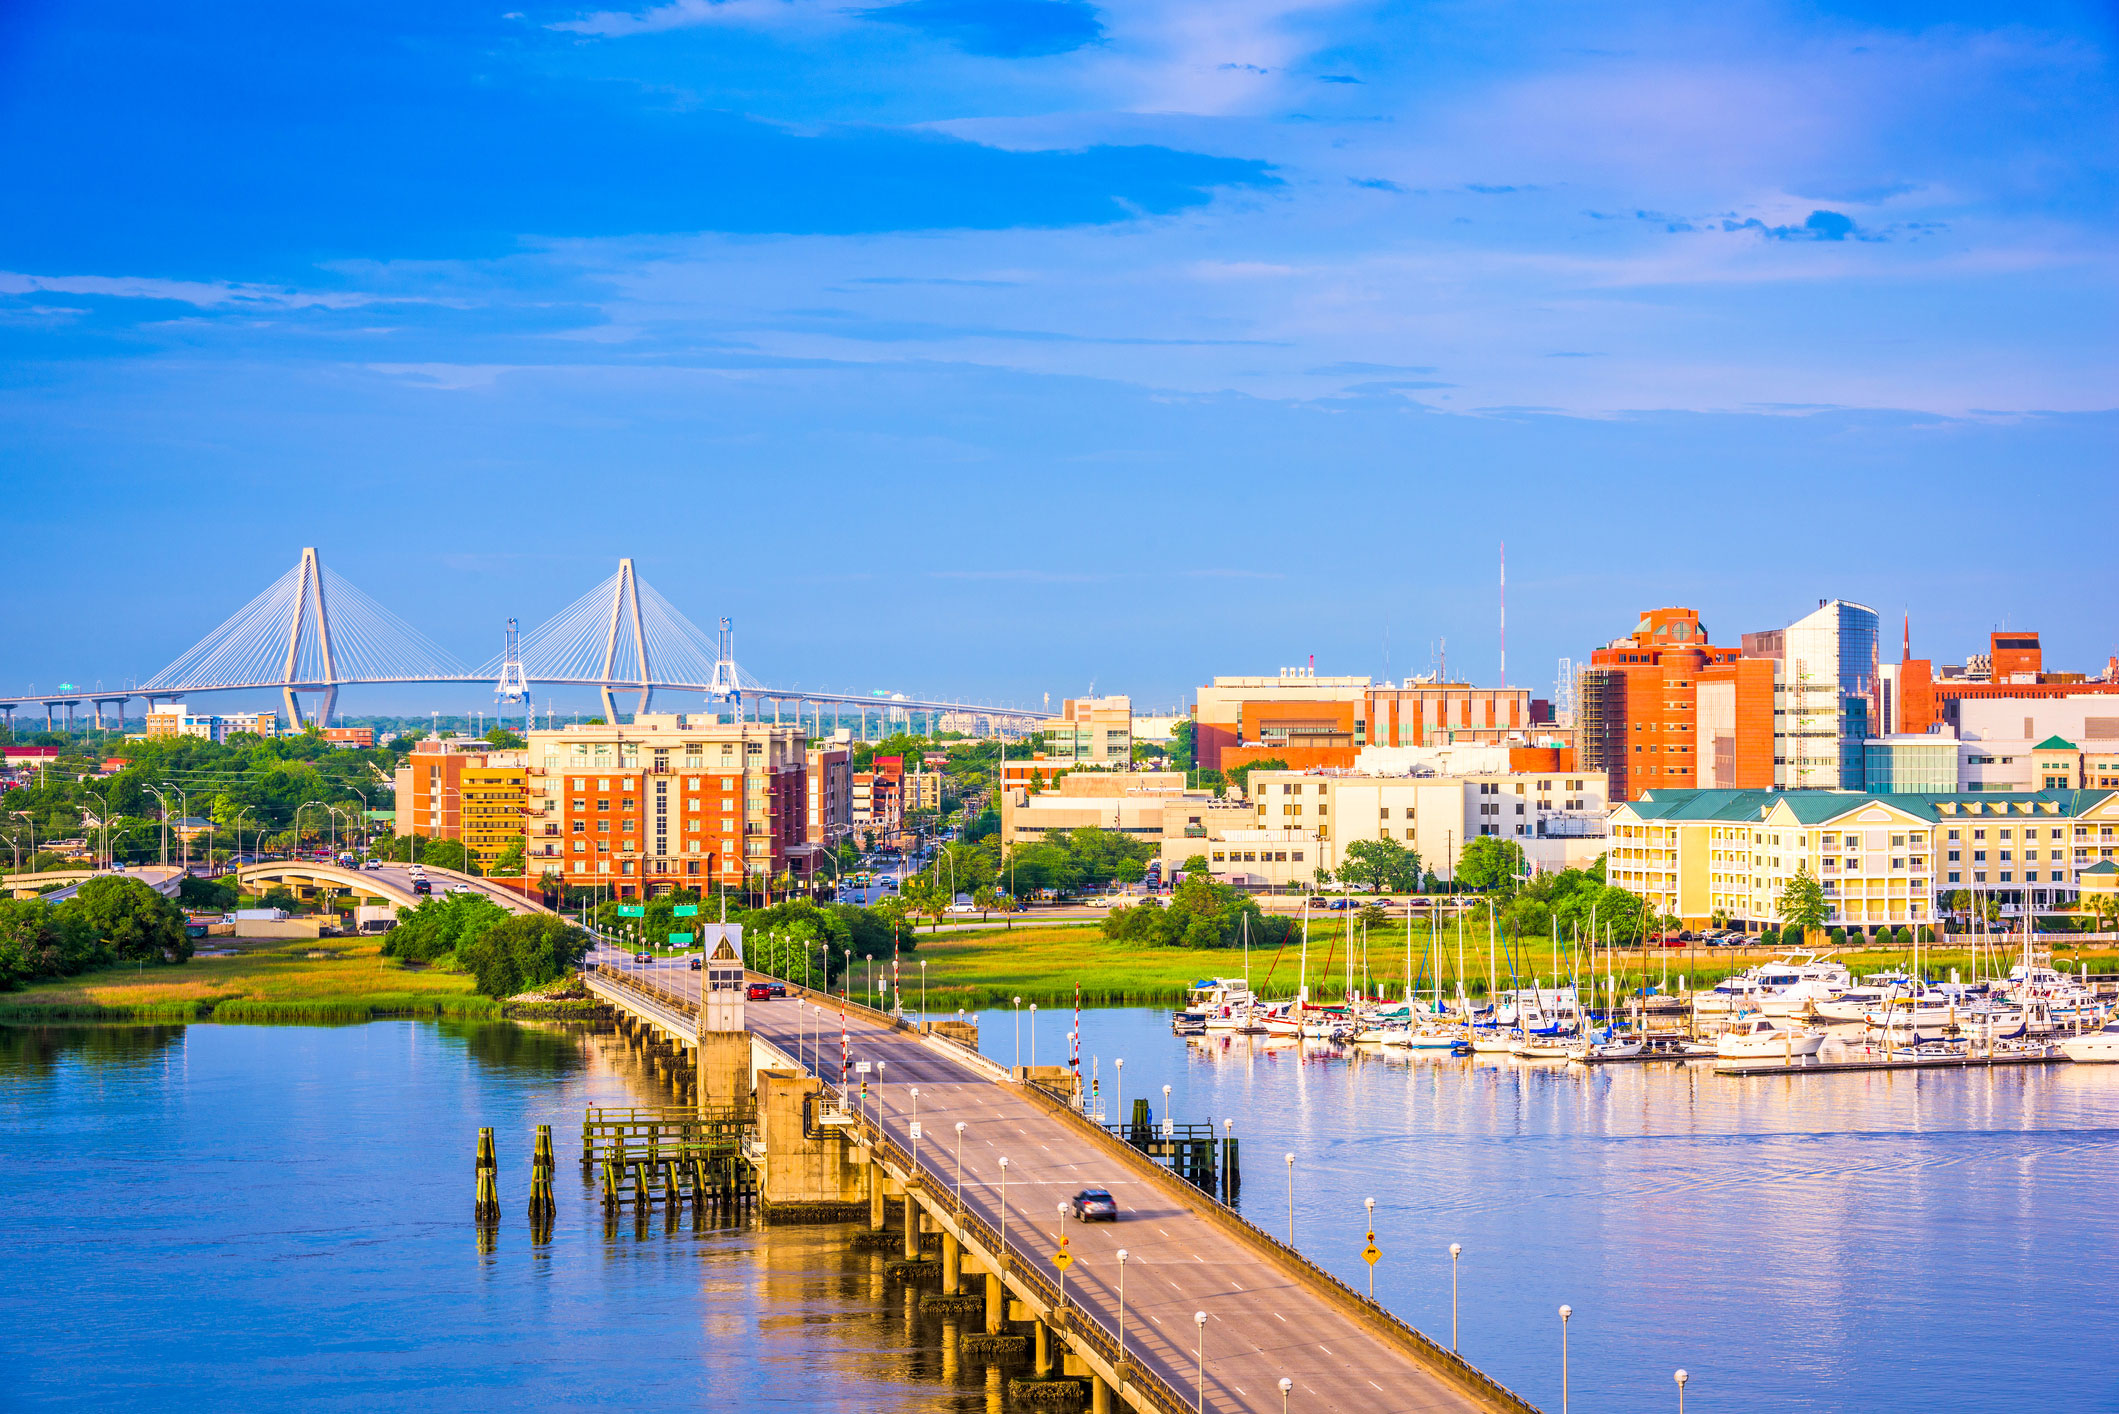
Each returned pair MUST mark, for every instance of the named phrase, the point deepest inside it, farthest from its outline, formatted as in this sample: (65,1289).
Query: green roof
(2055,742)
(1813,807)
(2105,867)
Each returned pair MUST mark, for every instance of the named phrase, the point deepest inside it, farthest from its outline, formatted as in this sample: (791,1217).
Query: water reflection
(28,1050)
(1815,1242)
(533,1047)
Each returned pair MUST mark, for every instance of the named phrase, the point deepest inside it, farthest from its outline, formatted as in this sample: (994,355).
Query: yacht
(1546,1011)
(1787,986)
(1224,1003)
(2094,1047)
(1755,1037)
(1855,1003)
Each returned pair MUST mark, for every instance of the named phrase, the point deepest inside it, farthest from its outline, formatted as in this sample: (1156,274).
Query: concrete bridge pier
(996,1305)
(912,1224)
(723,1069)
(1041,1354)
(877,1182)
(952,1264)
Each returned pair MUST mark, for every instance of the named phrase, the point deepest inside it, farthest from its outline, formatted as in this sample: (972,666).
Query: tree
(1182,739)
(135,922)
(440,926)
(513,860)
(1240,776)
(1490,863)
(525,951)
(922,898)
(1802,901)
(1383,865)
(1323,876)
(504,740)
(38,940)
(986,898)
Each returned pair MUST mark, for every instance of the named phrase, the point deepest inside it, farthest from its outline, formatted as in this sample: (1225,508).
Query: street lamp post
(1286,1384)
(1291,1200)
(1004,1210)
(1565,1313)
(1018,1005)
(1681,1377)
(1063,1265)
(1033,1035)
(1370,1204)
(1199,1386)
(923,990)
(960,1174)
(1122,1317)
(1456,1250)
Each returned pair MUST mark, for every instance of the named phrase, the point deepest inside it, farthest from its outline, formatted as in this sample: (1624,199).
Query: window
(604,805)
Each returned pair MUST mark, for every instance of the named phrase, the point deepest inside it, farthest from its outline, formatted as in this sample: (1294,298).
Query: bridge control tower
(724,1037)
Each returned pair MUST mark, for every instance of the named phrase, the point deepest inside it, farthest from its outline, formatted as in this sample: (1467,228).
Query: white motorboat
(1491,1040)
(1618,1049)
(1544,1048)
(1930,1016)
(1755,1037)
(2099,1047)
(1225,1003)
(1787,986)
(1855,1003)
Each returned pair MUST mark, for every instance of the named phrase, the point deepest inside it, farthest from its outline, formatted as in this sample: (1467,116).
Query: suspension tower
(512,687)
(309,602)
(625,614)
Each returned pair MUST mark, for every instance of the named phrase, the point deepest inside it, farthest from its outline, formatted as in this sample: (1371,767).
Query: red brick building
(1664,707)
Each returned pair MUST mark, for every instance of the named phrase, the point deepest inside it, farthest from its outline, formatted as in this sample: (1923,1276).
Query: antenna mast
(1504,613)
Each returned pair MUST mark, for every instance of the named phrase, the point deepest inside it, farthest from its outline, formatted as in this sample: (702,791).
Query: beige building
(1130,802)
(1556,817)
(175,721)
(1091,731)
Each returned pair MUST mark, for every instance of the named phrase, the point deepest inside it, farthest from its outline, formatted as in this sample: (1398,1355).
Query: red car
(758,992)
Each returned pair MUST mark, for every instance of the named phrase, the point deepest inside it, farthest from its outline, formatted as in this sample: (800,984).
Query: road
(163,879)
(1260,1325)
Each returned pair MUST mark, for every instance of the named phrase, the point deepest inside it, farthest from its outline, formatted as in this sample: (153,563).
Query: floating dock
(1813,1066)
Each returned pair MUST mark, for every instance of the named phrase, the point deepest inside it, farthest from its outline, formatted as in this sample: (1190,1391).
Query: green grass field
(270,981)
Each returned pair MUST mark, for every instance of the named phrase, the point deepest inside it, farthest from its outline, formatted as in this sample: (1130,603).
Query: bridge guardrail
(1373,1314)
(1074,1320)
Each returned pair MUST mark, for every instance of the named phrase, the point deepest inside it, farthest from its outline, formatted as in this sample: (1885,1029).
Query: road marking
(1280,1318)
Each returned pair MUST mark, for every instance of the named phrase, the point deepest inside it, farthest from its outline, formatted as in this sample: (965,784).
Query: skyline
(997,347)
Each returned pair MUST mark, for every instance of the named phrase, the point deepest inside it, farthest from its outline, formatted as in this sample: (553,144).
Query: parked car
(1094,1204)
(962,908)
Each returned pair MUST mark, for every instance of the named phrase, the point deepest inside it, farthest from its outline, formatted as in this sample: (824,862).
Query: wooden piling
(542,1207)
(486,1209)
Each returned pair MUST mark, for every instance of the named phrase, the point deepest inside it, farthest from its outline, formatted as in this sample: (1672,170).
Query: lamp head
(1286,1384)
(1121,1256)
(1681,1377)
(1566,1311)
(1200,1317)
(960,1126)
(1455,1251)
(1291,1161)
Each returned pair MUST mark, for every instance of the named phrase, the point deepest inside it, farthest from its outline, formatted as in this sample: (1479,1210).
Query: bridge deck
(1264,1321)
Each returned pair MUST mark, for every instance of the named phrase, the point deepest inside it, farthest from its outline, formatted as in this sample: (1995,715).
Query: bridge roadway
(1264,1321)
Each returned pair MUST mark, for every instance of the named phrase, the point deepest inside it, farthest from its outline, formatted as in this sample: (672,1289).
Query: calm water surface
(279,1217)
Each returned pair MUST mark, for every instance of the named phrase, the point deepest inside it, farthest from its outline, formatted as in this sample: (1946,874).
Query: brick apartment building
(666,802)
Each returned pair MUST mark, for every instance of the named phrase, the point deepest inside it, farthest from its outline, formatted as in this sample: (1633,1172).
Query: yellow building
(1880,860)
(493,802)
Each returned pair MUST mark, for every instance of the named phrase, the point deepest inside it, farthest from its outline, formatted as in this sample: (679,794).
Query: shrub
(135,922)
(524,951)
(441,926)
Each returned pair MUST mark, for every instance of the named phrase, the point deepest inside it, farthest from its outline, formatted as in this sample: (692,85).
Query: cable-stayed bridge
(312,632)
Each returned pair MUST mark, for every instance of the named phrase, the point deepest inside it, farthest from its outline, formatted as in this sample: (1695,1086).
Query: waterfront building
(429,785)
(668,802)
(1128,802)
(1881,860)
(492,799)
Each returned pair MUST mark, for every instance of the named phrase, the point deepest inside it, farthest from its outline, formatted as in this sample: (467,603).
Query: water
(1829,1242)
(278,1217)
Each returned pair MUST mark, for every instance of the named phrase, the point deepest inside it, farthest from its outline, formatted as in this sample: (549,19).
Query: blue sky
(1004,347)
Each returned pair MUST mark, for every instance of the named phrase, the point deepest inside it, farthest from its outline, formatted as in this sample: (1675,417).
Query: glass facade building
(1829,671)
(1910,765)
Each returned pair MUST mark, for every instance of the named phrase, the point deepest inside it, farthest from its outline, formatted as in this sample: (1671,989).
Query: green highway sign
(685,910)
(680,940)
(630,910)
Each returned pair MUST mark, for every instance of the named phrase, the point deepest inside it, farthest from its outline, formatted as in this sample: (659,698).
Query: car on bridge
(1092,1204)
(757,992)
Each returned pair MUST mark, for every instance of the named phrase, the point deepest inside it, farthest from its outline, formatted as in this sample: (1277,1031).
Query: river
(279,1217)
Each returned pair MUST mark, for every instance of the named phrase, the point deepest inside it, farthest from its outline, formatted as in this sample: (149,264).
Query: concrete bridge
(984,1159)
(163,879)
(391,883)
